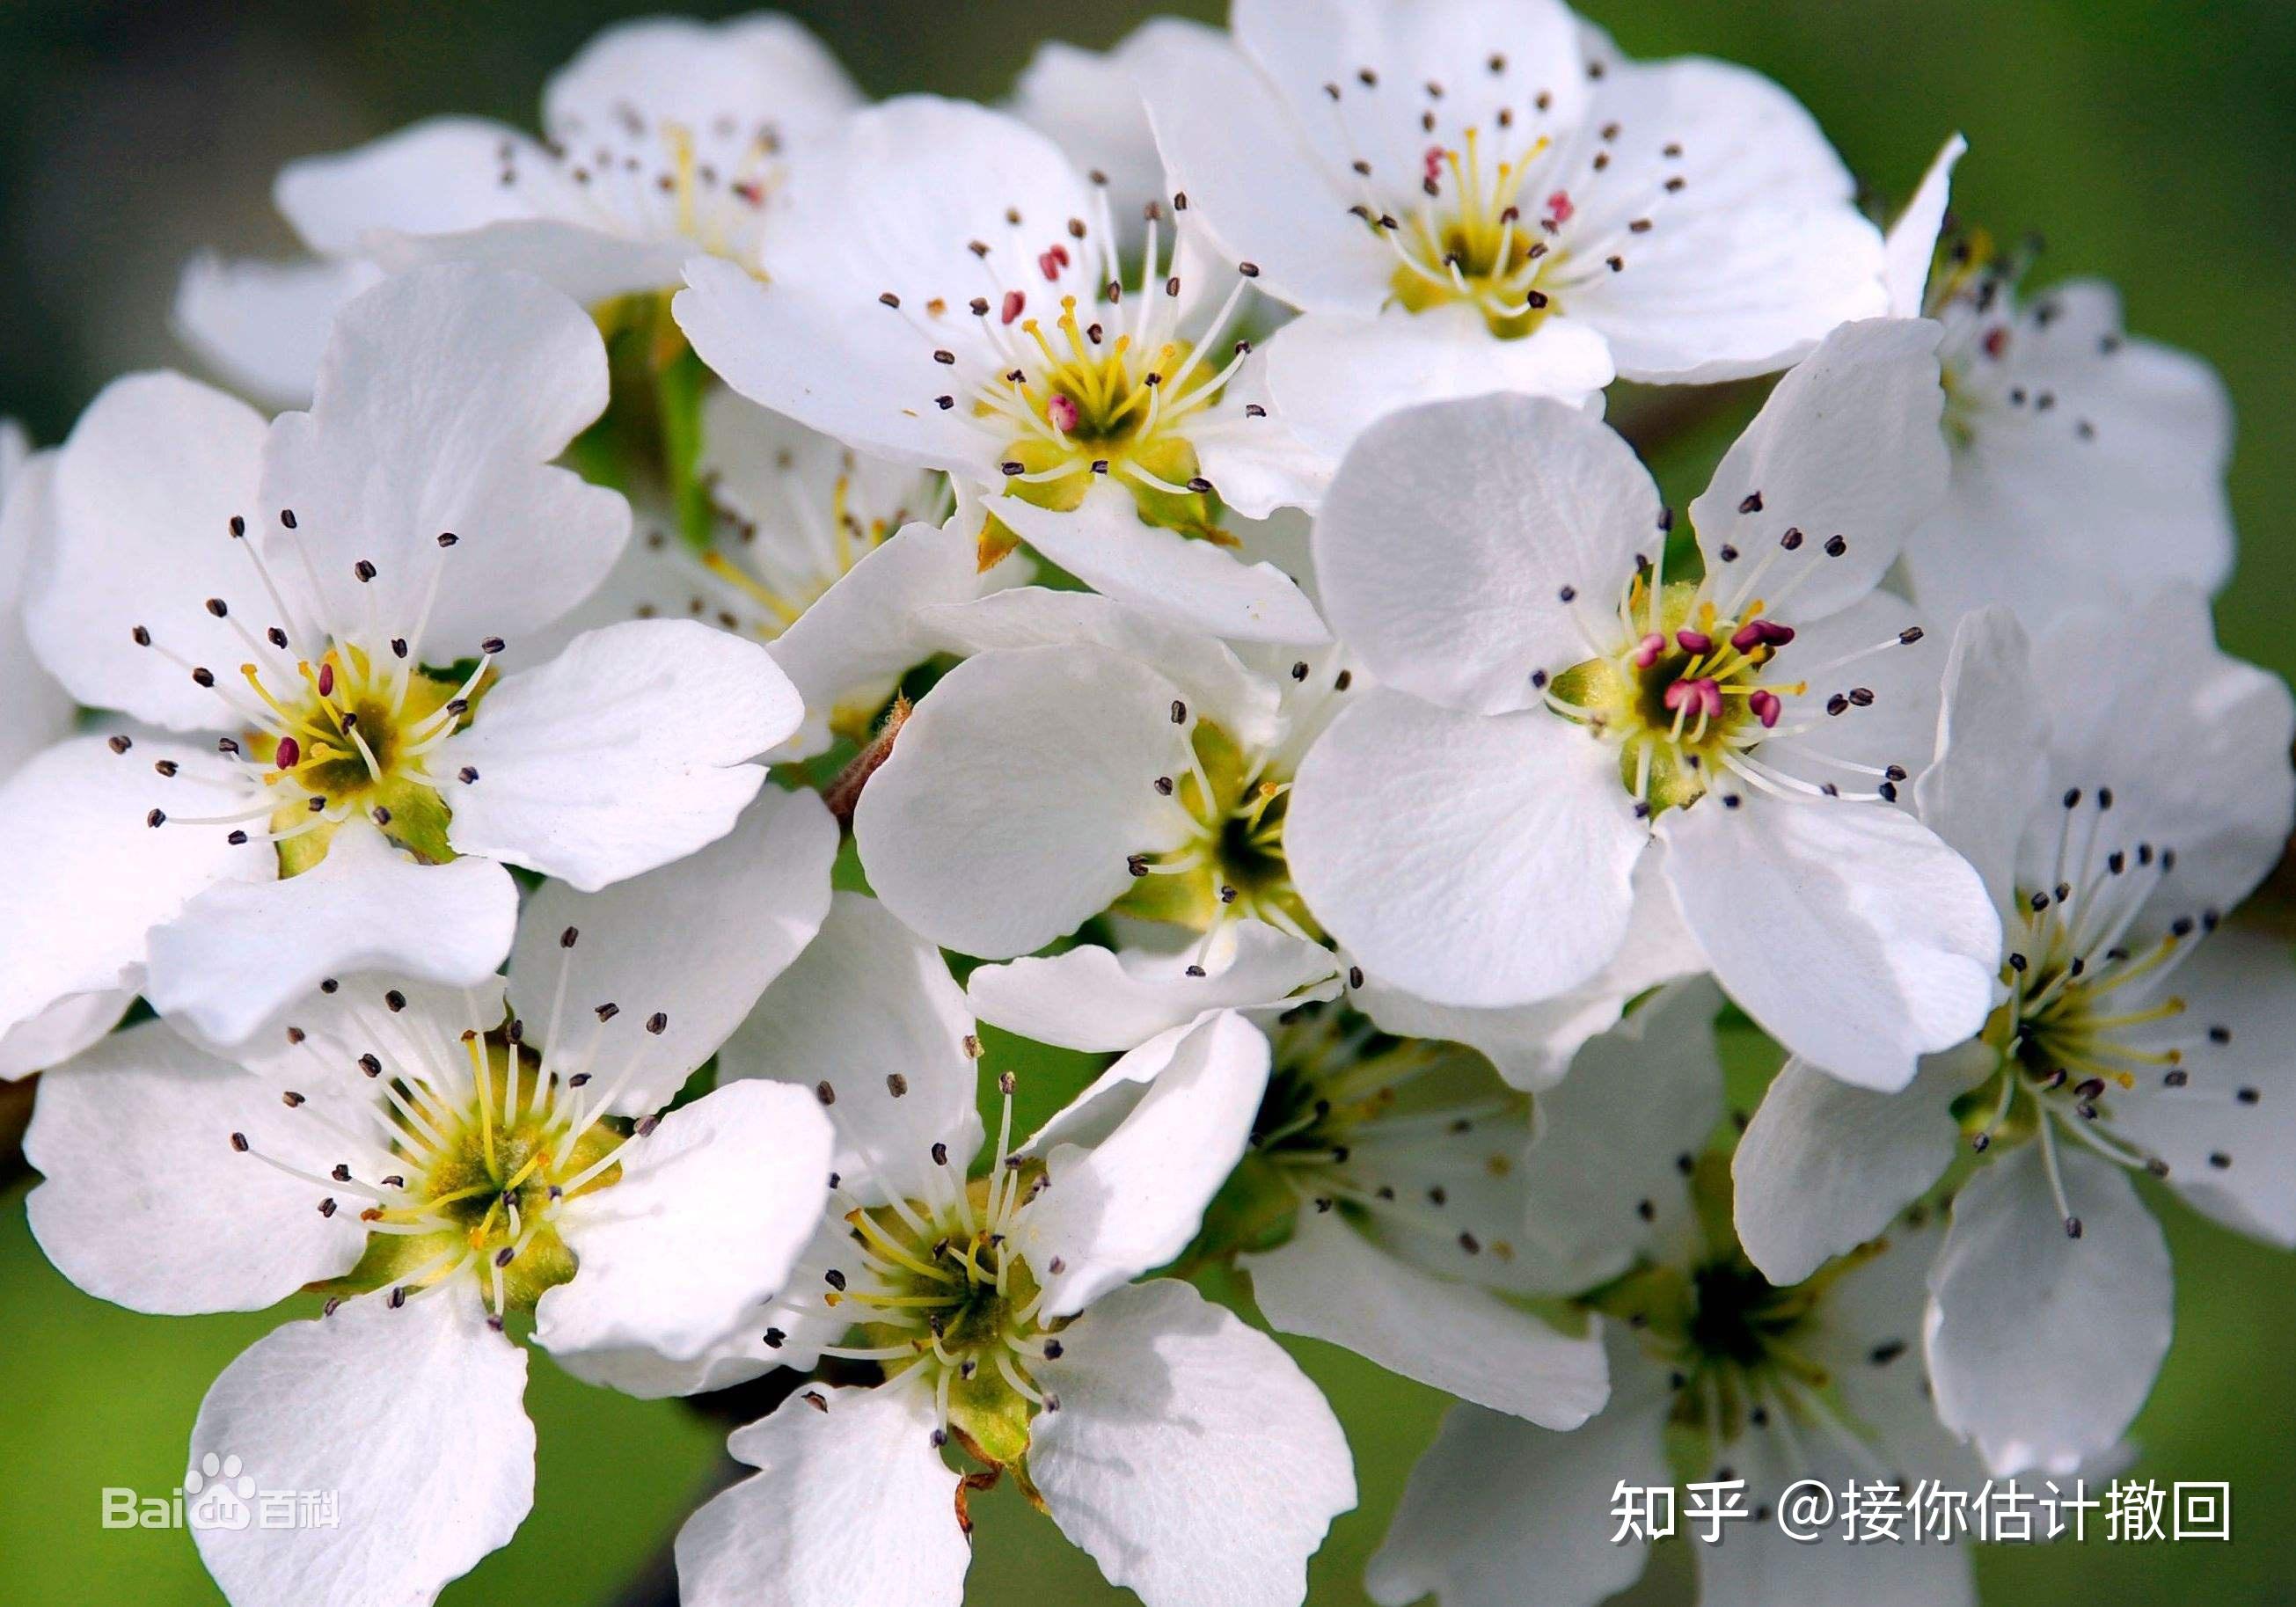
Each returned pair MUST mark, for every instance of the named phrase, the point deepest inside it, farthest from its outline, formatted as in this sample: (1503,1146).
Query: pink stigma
(1693,641)
(1765,707)
(1997,340)
(1015,300)
(1434,164)
(1760,633)
(1062,412)
(1647,650)
(1703,692)
(1559,207)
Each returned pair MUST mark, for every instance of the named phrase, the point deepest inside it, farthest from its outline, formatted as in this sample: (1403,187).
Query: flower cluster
(1162,538)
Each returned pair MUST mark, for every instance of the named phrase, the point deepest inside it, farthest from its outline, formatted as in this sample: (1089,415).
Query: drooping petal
(94,879)
(440,176)
(1531,1046)
(709,1215)
(1459,542)
(2226,1127)
(1425,839)
(696,942)
(1912,242)
(2042,1346)
(1328,1282)
(1824,1165)
(1333,375)
(240,950)
(1095,998)
(1847,445)
(147,1201)
(260,326)
(1748,249)
(60,1031)
(1502,1514)
(1133,1201)
(869,1018)
(144,492)
(360,1404)
(1190,1455)
(625,752)
(1992,757)
(1850,931)
(854,1504)
(1177,579)
(441,398)
(1018,792)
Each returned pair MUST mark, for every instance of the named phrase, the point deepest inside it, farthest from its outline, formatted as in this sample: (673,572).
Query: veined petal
(1911,244)
(1992,759)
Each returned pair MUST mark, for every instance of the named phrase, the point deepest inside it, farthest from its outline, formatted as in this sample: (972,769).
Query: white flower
(1412,1195)
(1501,558)
(948,292)
(663,137)
(2120,782)
(1088,103)
(322,596)
(1716,1374)
(443,1168)
(1086,759)
(261,327)
(826,554)
(1185,1451)
(2088,466)
(1473,197)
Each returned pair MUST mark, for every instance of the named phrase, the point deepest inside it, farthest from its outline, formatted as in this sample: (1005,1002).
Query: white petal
(1847,445)
(2237,1105)
(360,1404)
(582,260)
(38,711)
(439,177)
(1093,998)
(147,1203)
(1332,375)
(1182,581)
(1328,1282)
(144,492)
(60,1031)
(1992,757)
(854,1506)
(440,400)
(1016,794)
(2043,1345)
(1746,265)
(1852,934)
(1190,1455)
(260,326)
(1611,1134)
(1280,208)
(625,752)
(1133,1201)
(1531,1044)
(697,940)
(1470,860)
(858,638)
(711,1212)
(1257,460)
(2227,802)
(1453,534)
(1243,699)
(1825,1165)
(867,1001)
(242,949)
(1089,102)
(1501,1514)
(1913,240)
(77,911)
(756,69)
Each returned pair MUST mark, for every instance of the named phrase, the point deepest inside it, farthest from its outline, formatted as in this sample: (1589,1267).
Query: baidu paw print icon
(217,1493)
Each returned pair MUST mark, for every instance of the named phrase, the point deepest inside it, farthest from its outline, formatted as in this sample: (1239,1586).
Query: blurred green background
(2147,141)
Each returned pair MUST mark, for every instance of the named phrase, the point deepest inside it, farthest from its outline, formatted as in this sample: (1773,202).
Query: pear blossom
(1716,1374)
(663,137)
(1086,759)
(449,1165)
(1088,103)
(1555,712)
(1476,197)
(2088,465)
(261,327)
(2121,783)
(1182,1449)
(949,292)
(331,769)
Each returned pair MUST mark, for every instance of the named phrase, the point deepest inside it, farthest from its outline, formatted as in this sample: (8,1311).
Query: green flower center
(1232,863)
